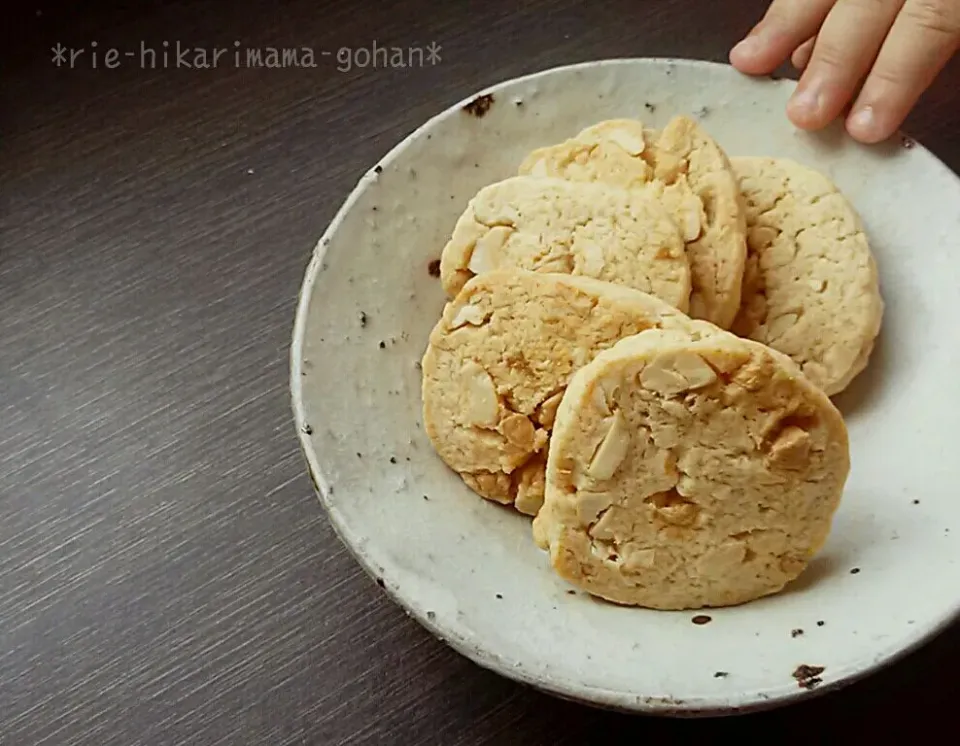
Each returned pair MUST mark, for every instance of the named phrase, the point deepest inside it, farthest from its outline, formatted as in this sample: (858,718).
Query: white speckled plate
(889,577)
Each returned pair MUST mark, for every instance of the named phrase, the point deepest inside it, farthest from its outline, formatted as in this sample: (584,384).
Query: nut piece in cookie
(811,288)
(556,226)
(497,365)
(690,174)
(689,468)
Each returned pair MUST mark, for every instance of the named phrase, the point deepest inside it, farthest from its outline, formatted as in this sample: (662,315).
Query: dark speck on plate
(359,455)
(796,632)
(393,459)
(720,675)
(907,142)
(500,595)
(381,583)
(307,430)
(808,677)
(425,497)
(363,319)
(650,107)
(701,619)
(855,570)
(479,106)
(821,623)
(571,593)
(378,169)
(434,268)
(431,615)
(383,345)
(916,502)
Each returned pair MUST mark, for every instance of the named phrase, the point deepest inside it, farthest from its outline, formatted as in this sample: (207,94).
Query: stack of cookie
(640,343)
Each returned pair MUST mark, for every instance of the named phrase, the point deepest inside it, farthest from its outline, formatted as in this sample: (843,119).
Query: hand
(880,54)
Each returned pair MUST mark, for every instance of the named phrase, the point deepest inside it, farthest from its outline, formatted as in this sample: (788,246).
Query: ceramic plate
(889,577)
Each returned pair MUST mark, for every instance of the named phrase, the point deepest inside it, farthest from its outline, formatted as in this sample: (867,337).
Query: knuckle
(941,17)
(876,6)
(788,14)
(893,77)
(830,54)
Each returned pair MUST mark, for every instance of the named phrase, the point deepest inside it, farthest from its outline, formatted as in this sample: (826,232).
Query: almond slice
(612,450)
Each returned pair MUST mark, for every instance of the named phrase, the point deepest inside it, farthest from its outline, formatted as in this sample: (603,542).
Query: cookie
(810,286)
(499,360)
(555,226)
(688,469)
(689,172)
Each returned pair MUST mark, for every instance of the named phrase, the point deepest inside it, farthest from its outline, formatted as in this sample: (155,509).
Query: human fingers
(845,49)
(924,37)
(801,56)
(784,27)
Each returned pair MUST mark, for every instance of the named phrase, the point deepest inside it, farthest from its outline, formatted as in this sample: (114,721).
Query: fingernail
(749,47)
(864,122)
(807,101)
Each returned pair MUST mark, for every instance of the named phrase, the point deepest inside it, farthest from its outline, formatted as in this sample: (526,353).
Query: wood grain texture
(166,574)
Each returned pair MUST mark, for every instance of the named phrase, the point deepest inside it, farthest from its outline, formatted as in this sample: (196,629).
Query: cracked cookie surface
(499,360)
(556,226)
(690,174)
(810,286)
(689,468)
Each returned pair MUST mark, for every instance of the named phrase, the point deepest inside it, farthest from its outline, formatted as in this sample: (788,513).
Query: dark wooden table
(166,574)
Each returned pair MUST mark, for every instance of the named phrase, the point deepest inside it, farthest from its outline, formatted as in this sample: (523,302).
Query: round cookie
(810,286)
(690,174)
(499,360)
(560,227)
(689,469)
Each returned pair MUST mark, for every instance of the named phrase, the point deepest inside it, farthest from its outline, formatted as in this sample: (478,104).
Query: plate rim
(453,635)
